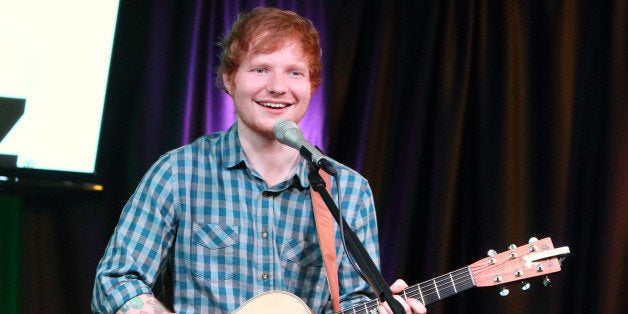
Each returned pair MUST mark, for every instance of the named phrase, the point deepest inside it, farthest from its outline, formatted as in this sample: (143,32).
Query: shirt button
(266,194)
(264,235)
(264,275)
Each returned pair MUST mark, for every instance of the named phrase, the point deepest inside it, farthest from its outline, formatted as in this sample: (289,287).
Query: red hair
(265,30)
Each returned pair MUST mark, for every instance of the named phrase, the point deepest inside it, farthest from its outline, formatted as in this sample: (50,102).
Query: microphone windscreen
(281,127)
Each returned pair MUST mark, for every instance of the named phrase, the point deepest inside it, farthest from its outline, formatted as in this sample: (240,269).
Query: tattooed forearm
(144,303)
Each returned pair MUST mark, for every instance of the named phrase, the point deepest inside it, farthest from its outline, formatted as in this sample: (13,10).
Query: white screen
(56,56)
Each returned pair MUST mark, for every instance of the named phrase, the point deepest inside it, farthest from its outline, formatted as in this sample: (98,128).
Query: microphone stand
(354,246)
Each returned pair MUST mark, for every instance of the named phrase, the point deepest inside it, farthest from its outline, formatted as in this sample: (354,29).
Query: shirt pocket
(214,251)
(303,269)
(303,253)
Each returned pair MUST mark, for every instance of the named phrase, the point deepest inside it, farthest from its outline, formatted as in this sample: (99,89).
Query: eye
(296,73)
(259,70)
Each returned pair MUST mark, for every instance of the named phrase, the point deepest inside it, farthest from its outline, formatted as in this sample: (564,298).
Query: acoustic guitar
(537,258)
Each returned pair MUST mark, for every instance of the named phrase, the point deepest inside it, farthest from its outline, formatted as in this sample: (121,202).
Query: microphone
(288,133)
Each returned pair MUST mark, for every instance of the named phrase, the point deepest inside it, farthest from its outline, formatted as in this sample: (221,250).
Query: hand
(411,305)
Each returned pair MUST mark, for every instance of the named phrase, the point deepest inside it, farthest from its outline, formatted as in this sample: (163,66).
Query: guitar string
(436,286)
(429,288)
(411,292)
(446,280)
(426,289)
(415,291)
(421,293)
(424,295)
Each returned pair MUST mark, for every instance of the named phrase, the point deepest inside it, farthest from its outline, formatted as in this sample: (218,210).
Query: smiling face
(268,87)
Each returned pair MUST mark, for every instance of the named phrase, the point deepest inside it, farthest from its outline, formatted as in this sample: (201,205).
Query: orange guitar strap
(327,240)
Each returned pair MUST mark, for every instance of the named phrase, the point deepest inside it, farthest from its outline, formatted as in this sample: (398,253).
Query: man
(234,207)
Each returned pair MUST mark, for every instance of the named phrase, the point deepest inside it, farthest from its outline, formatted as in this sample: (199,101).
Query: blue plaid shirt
(232,236)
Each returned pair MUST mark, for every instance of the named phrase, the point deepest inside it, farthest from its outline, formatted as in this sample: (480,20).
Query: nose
(277,84)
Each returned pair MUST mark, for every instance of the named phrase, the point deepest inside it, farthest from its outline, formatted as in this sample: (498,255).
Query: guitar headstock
(537,258)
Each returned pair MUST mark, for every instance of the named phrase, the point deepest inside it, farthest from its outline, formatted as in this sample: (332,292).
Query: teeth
(272,105)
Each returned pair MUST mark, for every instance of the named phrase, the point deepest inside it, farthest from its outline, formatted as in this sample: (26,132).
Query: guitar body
(276,302)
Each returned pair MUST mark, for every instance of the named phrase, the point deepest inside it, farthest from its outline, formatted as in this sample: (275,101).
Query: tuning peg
(533,248)
(491,253)
(546,281)
(512,247)
(504,291)
(532,240)
(525,285)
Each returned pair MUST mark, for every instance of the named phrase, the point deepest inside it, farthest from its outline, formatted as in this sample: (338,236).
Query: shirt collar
(231,151)
(233,156)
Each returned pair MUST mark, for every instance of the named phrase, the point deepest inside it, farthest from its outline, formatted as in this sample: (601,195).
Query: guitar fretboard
(426,292)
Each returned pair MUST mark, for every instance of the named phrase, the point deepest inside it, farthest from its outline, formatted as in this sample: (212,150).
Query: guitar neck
(537,258)
(427,292)
(441,287)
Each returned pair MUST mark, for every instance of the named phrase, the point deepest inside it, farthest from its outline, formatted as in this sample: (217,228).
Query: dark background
(477,123)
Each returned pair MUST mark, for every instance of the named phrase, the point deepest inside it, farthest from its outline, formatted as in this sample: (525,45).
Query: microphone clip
(323,163)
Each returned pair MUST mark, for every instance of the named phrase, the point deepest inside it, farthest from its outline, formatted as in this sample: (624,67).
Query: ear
(226,80)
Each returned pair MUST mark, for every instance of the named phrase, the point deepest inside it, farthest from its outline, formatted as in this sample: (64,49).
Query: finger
(416,306)
(398,286)
(385,307)
(381,309)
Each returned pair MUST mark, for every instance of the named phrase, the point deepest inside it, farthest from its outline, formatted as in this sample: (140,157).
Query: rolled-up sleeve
(139,244)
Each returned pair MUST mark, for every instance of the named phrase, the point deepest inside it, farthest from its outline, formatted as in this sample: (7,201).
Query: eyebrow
(301,66)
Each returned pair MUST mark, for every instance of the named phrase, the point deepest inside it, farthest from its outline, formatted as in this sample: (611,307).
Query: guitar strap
(327,240)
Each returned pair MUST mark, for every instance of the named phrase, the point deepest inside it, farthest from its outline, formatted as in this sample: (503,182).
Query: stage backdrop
(478,124)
